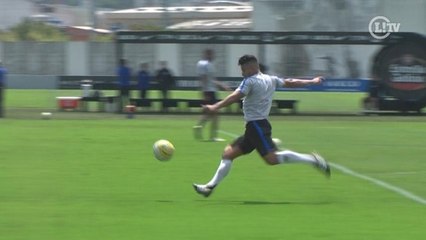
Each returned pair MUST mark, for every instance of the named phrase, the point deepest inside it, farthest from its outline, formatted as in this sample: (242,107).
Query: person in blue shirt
(143,80)
(3,73)
(124,75)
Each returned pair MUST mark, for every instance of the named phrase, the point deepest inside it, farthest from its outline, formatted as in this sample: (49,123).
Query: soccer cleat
(203,189)
(321,164)
(198,132)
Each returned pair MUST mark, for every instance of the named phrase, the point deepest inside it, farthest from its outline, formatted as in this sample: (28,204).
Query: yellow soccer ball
(163,150)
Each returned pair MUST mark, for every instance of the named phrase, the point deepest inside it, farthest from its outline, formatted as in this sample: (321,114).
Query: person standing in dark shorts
(257,89)
(124,76)
(165,79)
(3,73)
(209,86)
(144,79)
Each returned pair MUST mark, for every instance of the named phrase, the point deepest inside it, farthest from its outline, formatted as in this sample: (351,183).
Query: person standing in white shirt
(257,91)
(209,86)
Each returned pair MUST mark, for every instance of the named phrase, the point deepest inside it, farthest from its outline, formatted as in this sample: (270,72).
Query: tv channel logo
(381,27)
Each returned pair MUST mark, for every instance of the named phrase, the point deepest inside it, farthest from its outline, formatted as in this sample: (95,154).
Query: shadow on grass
(258,203)
(210,201)
(254,203)
(279,203)
(165,201)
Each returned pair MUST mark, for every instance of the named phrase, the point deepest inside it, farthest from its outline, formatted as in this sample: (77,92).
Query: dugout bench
(158,105)
(185,105)
(102,102)
(404,106)
(388,104)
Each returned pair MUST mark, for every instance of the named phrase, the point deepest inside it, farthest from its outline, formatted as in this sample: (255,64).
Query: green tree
(33,31)
(115,4)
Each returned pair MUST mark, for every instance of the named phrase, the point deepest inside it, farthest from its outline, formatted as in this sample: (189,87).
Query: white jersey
(207,68)
(258,90)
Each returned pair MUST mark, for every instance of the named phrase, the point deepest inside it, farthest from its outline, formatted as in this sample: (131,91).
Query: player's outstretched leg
(288,156)
(315,159)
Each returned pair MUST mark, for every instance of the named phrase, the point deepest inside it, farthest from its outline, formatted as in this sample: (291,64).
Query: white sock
(203,121)
(221,172)
(288,156)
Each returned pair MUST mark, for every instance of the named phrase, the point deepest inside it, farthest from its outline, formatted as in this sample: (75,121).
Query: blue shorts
(256,136)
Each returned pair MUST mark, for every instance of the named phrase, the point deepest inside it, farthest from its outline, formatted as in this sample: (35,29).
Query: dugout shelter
(400,66)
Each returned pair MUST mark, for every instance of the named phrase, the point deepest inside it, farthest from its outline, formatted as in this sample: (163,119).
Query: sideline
(377,182)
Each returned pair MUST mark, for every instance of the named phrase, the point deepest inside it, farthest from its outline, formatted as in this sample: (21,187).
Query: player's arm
(222,86)
(228,100)
(295,82)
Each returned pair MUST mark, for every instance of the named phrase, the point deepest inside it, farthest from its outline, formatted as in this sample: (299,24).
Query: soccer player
(3,73)
(209,86)
(257,89)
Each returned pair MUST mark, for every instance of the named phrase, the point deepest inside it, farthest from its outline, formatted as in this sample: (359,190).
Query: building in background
(162,17)
(53,14)
(156,3)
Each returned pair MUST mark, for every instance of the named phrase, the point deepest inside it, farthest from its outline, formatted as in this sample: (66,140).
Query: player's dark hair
(247,59)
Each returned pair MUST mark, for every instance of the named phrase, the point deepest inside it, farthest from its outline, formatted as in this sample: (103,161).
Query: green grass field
(93,176)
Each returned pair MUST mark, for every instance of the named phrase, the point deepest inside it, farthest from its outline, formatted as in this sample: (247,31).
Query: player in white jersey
(209,86)
(257,90)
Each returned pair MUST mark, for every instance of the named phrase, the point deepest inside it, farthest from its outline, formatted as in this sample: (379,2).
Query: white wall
(170,54)
(1,51)
(85,58)
(234,52)
(21,81)
(76,59)
(38,58)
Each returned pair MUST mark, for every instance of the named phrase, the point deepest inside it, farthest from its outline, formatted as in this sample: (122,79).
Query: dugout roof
(247,37)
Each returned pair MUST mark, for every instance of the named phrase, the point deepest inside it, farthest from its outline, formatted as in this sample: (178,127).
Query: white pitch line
(228,133)
(400,173)
(378,182)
